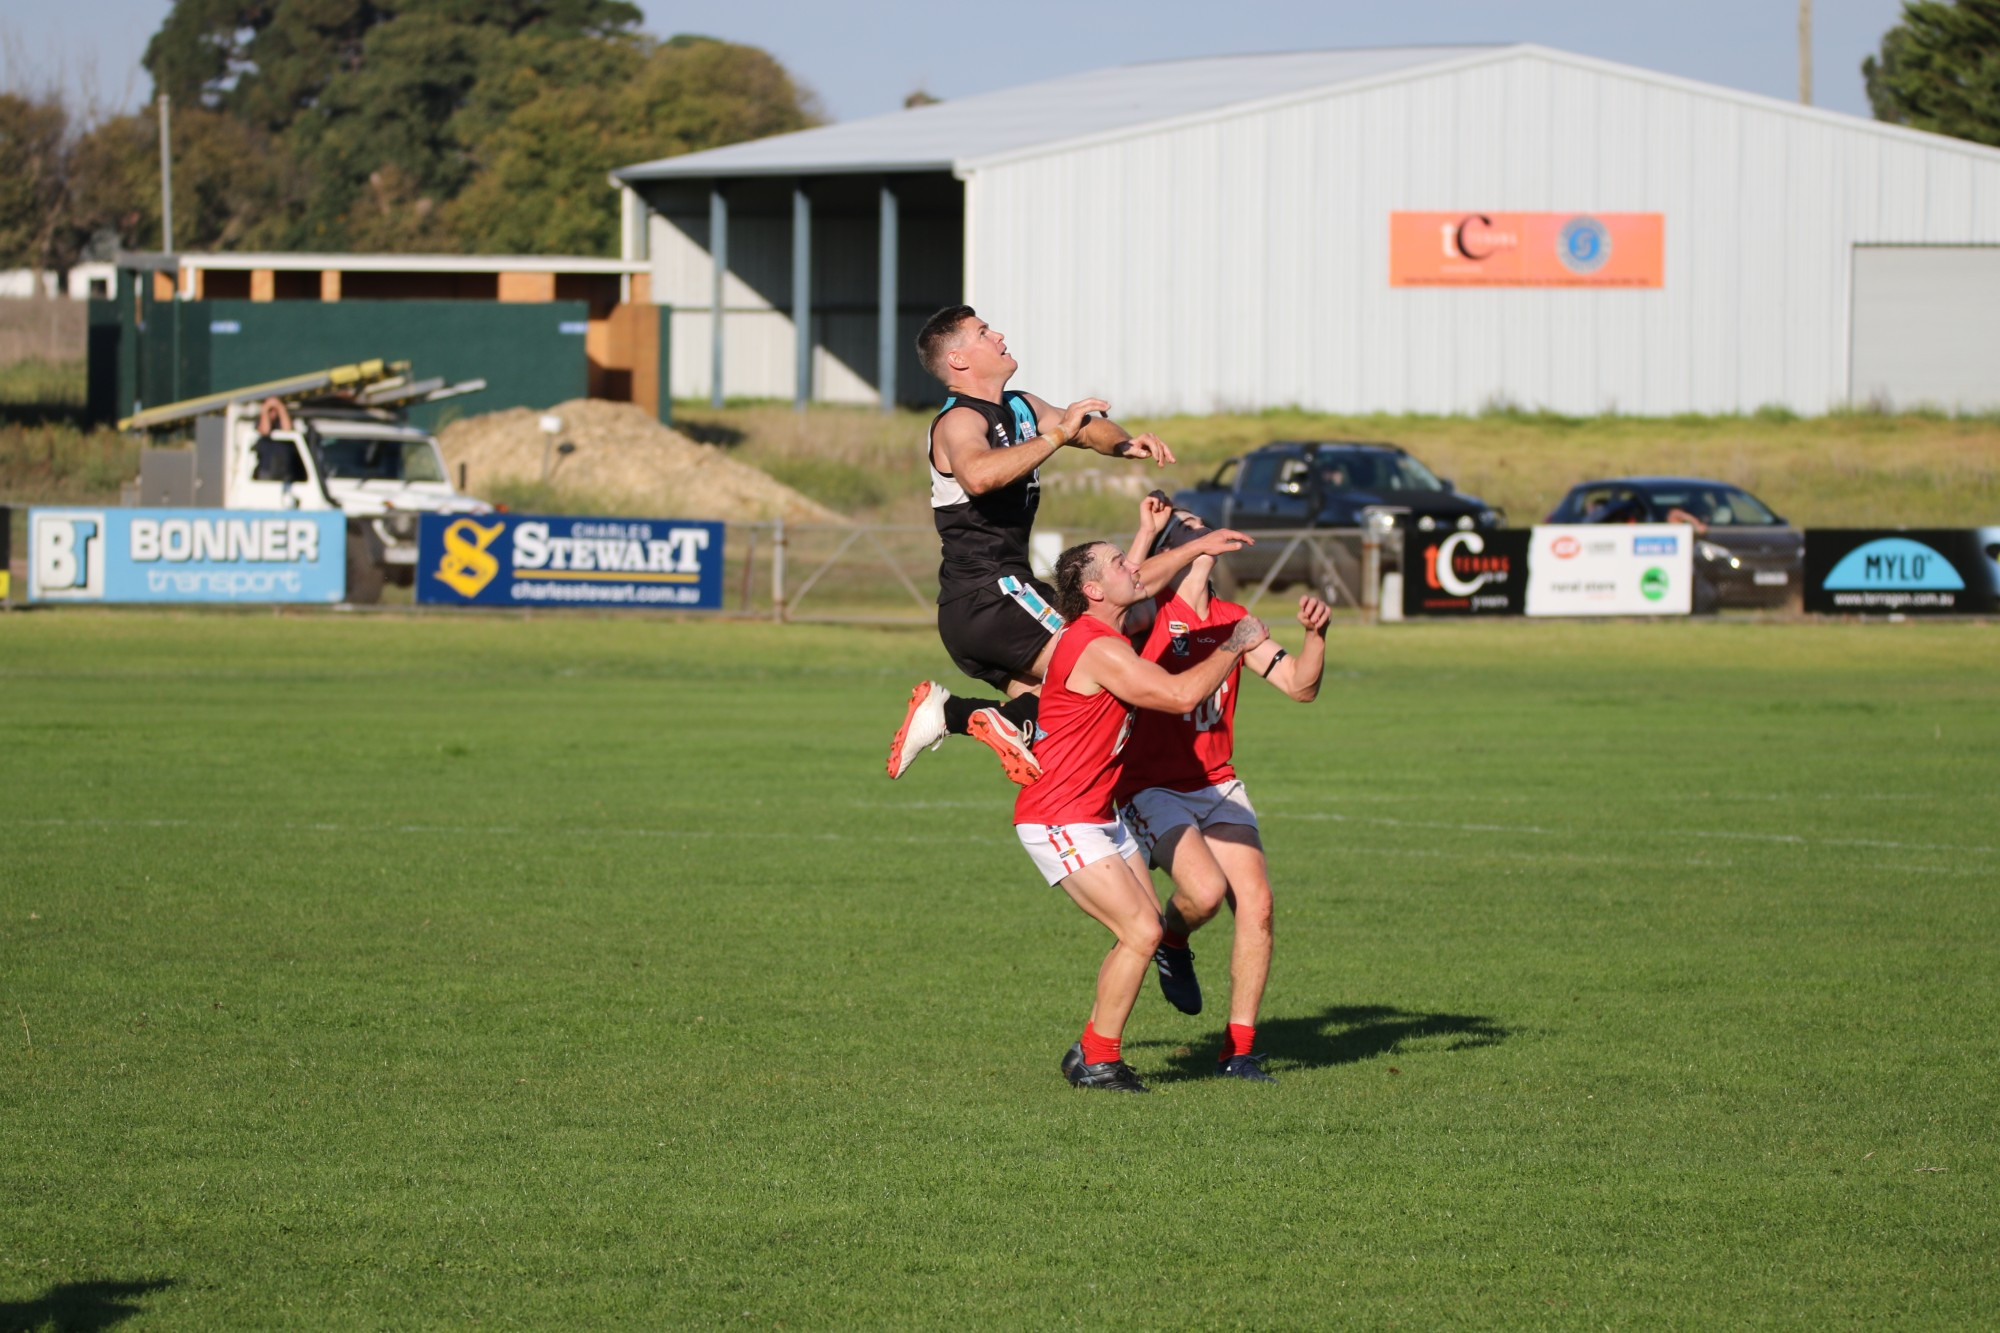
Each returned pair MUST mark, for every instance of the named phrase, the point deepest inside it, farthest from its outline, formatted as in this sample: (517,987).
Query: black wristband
(1274,664)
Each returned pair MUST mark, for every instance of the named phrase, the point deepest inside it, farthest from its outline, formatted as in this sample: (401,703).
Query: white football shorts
(1158,811)
(1060,850)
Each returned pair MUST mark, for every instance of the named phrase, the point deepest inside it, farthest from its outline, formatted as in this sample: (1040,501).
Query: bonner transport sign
(186,555)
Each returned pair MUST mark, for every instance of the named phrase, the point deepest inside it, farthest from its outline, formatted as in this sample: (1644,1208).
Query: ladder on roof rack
(375,383)
(291,388)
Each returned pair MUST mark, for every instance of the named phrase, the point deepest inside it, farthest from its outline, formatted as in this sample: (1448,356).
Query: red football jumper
(1185,751)
(1084,733)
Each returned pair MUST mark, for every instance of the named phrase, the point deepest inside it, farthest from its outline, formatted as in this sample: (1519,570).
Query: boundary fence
(833,573)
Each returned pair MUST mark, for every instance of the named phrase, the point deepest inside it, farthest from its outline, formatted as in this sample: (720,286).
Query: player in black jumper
(996,618)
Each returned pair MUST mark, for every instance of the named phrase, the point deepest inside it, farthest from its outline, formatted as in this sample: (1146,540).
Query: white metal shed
(1214,234)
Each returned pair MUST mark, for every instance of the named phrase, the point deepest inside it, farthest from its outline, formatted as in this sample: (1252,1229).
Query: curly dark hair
(940,331)
(1075,567)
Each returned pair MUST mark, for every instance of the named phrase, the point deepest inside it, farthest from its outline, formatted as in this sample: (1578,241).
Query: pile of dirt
(624,458)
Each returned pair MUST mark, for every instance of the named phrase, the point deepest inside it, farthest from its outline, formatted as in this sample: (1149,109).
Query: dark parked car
(1293,484)
(1744,554)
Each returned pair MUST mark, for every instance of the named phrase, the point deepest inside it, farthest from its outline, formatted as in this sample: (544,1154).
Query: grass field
(395,972)
(1856,469)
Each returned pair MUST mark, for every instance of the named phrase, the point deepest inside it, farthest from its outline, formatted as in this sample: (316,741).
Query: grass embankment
(45,458)
(1852,469)
(366,972)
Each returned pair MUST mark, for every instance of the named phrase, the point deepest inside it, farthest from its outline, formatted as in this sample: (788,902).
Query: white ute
(334,440)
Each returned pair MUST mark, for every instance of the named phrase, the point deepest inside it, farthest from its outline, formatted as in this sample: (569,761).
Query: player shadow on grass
(1338,1035)
(78,1307)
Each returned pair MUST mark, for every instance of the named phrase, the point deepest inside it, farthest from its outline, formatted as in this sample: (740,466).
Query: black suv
(1293,484)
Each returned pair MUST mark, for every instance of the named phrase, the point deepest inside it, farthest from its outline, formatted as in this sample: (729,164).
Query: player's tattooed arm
(1111,664)
(1297,676)
(1244,635)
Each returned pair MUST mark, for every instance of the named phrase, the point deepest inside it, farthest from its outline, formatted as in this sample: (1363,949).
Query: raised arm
(1153,515)
(1111,664)
(1297,676)
(979,467)
(1157,571)
(1102,435)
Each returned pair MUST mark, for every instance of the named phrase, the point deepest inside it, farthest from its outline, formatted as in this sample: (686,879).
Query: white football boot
(922,729)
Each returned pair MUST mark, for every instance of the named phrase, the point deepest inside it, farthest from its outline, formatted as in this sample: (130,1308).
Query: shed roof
(1097,105)
(945,135)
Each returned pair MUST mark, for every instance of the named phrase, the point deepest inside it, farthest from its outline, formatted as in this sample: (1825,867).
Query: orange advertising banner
(1527,249)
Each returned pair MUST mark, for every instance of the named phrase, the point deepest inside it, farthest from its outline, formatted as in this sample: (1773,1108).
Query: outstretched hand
(1147,445)
(1073,416)
(1221,541)
(1314,614)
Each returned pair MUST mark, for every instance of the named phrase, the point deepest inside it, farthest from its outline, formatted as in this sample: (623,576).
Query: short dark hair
(1074,568)
(937,335)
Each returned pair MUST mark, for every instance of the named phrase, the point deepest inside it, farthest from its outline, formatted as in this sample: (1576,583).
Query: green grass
(1852,469)
(44,383)
(561,972)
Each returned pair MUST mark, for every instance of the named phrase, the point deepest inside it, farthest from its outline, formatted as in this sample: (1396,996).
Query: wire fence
(42,328)
(833,573)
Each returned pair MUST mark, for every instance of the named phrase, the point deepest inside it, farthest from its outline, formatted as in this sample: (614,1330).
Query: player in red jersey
(1184,804)
(1065,818)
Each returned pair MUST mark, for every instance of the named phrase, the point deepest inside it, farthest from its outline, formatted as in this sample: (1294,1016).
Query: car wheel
(364,573)
(1707,600)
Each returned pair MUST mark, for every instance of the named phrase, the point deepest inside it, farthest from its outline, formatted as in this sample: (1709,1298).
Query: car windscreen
(1717,506)
(358,458)
(1358,471)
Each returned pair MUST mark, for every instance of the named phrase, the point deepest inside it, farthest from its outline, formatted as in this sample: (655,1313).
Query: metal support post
(166,177)
(802,333)
(778,568)
(718,248)
(887,296)
(1371,571)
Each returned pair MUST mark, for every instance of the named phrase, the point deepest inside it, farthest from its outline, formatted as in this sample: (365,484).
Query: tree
(1940,70)
(230,184)
(435,124)
(542,180)
(34,179)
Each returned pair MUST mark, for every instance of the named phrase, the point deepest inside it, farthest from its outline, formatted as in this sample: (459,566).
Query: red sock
(1171,940)
(1238,1040)
(1097,1050)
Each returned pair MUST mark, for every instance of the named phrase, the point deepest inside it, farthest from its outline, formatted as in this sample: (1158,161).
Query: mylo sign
(539,560)
(186,555)
(1868,571)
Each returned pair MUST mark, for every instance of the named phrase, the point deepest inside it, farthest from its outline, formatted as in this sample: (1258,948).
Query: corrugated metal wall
(1927,326)
(1242,262)
(758,350)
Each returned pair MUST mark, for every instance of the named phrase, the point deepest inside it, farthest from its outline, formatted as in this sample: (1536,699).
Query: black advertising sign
(1465,572)
(1914,571)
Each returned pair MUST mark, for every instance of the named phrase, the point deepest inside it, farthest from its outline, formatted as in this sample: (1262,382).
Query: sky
(862,57)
